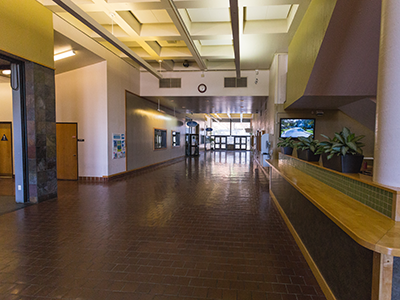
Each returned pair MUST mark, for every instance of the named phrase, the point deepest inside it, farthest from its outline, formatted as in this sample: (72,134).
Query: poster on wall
(118,145)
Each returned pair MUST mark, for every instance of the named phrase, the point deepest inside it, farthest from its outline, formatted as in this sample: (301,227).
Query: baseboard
(137,171)
(321,280)
(94,179)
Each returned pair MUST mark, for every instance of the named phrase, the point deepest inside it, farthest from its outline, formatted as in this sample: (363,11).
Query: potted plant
(286,144)
(343,153)
(307,148)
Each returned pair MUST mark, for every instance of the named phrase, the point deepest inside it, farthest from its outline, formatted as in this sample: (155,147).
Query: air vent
(166,83)
(233,82)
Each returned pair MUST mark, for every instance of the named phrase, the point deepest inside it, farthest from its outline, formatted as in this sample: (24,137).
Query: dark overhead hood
(338,67)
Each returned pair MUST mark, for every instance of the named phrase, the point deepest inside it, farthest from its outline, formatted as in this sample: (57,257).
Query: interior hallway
(201,228)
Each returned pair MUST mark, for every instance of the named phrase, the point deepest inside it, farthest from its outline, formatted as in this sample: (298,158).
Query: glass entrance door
(242,143)
(220,142)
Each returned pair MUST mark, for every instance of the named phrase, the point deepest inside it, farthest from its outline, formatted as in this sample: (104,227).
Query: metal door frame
(220,145)
(242,145)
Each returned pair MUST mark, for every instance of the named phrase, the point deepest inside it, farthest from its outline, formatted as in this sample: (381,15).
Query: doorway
(67,151)
(14,176)
(6,151)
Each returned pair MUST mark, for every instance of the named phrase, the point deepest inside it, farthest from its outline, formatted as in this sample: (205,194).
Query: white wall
(81,96)
(121,77)
(116,77)
(149,85)
(5,103)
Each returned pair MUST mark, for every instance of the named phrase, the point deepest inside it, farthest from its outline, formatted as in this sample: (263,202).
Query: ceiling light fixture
(6,72)
(160,61)
(64,55)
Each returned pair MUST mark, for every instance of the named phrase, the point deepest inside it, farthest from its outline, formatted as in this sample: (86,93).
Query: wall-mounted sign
(118,145)
(191,124)
(209,129)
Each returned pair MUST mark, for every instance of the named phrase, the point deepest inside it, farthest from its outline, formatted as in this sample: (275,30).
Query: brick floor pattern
(202,228)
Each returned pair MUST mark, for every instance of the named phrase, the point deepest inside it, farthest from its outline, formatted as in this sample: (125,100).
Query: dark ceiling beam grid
(234,8)
(184,32)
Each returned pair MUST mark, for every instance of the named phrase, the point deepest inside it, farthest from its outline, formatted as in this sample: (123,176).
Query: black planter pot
(345,164)
(307,155)
(287,150)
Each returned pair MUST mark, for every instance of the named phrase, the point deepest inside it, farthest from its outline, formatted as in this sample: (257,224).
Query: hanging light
(4,138)
(159,108)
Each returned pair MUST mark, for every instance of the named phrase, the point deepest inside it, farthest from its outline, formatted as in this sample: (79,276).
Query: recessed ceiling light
(6,72)
(64,55)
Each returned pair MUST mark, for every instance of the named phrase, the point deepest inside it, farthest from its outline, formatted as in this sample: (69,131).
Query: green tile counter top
(359,187)
(366,226)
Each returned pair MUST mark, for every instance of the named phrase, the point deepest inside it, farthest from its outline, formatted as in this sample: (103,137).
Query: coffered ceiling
(191,34)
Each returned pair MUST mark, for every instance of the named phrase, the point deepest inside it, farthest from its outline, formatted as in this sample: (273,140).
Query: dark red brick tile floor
(202,228)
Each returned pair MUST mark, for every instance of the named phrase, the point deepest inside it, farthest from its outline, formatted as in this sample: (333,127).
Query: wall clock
(202,88)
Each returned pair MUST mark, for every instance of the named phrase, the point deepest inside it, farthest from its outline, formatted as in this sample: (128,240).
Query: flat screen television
(296,128)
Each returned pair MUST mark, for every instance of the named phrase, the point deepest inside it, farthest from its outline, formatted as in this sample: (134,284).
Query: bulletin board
(118,145)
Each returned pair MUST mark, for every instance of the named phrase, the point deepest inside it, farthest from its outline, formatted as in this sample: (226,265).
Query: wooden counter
(366,226)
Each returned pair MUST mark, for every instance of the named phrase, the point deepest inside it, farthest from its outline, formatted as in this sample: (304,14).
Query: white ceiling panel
(83,2)
(270,12)
(172,43)
(145,16)
(152,16)
(216,42)
(200,15)
(101,17)
(162,16)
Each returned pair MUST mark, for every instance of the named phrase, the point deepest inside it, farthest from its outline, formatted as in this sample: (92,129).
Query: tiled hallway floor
(201,228)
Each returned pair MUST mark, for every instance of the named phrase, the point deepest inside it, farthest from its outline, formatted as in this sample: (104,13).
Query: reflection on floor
(8,204)
(7,198)
(202,228)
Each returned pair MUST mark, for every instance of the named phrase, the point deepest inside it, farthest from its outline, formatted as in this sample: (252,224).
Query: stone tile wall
(41,132)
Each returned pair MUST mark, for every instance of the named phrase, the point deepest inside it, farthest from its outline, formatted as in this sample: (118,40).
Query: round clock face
(202,88)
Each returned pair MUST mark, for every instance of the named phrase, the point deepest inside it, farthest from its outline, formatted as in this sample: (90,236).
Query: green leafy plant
(343,143)
(285,142)
(306,143)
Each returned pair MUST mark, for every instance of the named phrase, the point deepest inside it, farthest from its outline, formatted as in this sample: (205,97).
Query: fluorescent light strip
(6,72)
(64,55)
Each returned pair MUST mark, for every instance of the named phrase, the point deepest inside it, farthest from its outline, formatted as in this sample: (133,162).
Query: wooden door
(67,151)
(6,152)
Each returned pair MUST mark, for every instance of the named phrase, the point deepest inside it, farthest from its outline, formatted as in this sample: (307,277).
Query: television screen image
(297,128)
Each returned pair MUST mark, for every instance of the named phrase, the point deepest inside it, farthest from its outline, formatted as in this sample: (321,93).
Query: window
(160,138)
(240,128)
(176,139)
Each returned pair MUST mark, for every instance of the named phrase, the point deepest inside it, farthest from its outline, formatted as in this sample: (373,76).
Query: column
(387,136)
(41,132)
